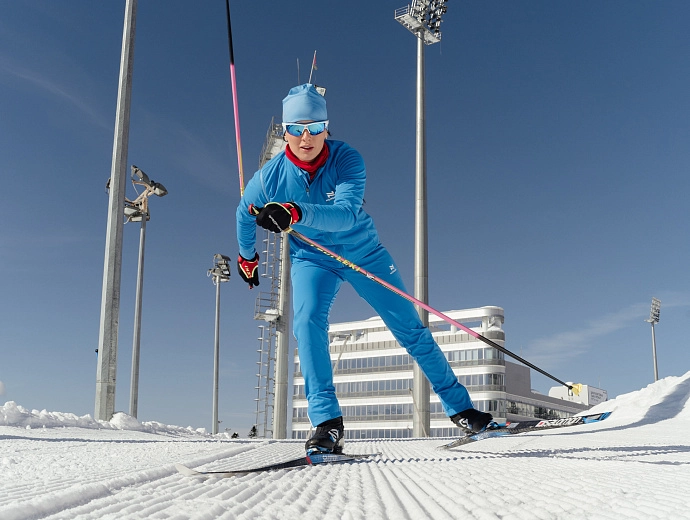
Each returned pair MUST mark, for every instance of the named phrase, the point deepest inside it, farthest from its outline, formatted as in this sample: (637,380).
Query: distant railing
(401,11)
(441,339)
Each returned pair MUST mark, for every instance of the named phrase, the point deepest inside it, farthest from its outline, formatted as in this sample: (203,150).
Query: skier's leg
(401,318)
(313,290)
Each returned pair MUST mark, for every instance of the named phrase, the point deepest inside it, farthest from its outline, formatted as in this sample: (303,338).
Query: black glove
(249,270)
(277,216)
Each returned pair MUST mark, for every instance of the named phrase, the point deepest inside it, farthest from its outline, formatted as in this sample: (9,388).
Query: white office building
(373,378)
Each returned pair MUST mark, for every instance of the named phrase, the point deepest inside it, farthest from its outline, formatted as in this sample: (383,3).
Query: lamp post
(280,396)
(654,318)
(220,272)
(112,265)
(137,210)
(423,19)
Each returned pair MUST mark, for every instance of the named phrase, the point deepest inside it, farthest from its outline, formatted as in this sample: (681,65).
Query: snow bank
(11,414)
(667,398)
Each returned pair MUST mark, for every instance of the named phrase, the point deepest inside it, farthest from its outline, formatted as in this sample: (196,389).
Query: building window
(400,362)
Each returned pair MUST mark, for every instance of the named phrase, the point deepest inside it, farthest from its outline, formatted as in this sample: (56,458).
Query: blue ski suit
(332,216)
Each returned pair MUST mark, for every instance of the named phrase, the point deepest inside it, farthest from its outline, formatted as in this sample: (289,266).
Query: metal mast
(112,269)
(654,314)
(137,210)
(220,272)
(266,309)
(273,307)
(423,19)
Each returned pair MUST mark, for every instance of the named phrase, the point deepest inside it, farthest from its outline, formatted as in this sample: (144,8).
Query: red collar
(309,166)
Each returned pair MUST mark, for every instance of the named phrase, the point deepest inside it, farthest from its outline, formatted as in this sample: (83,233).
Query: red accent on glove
(249,270)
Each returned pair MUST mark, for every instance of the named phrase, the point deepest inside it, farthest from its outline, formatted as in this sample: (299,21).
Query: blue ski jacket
(332,213)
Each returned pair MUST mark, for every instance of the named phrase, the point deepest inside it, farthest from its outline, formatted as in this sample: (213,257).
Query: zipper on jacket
(305,178)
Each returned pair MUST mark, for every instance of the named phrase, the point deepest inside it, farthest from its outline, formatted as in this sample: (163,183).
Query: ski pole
(233,83)
(423,305)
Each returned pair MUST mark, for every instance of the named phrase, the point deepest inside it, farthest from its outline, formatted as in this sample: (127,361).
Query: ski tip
(596,418)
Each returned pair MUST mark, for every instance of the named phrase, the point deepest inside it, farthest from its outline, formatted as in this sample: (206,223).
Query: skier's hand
(276,216)
(249,270)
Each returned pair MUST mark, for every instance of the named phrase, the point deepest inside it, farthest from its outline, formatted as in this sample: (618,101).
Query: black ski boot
(328,437)
(471,420)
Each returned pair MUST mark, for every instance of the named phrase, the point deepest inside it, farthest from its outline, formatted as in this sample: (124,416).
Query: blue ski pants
(316,280)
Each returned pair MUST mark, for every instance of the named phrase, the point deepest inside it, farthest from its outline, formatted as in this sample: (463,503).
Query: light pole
(280,397)
(112,265)
(654,318)
(220,272)
(423,19)
(137,210)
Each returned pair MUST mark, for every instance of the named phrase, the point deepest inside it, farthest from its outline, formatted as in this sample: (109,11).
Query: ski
(310,460)
(515,427)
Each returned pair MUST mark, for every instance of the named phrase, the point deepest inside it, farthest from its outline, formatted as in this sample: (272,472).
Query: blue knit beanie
(304,103)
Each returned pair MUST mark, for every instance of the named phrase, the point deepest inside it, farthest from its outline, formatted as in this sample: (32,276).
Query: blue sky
(557,181)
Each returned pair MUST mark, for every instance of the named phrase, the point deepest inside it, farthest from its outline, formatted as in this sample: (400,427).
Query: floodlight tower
(273,307)
(112,265)
(423,19)
(654,318)
(220,272)
(137,210)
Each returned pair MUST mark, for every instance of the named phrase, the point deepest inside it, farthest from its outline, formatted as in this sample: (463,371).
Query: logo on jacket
(392,267)
(330,196)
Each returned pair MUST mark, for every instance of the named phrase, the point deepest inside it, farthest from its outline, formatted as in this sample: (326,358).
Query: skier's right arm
(248,259)
(246,222)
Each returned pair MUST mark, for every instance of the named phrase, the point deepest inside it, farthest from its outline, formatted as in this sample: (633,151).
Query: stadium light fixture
(151,188)
(654,313)
(220,272)
(423,19)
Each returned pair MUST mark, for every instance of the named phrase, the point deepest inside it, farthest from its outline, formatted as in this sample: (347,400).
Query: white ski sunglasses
(297,129)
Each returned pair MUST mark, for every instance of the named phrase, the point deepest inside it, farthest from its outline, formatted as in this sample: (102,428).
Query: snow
(634,465)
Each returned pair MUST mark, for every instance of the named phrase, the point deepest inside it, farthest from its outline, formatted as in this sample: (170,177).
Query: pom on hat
(304,103)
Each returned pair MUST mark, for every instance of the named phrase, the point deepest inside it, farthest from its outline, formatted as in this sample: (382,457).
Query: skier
(316,187)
